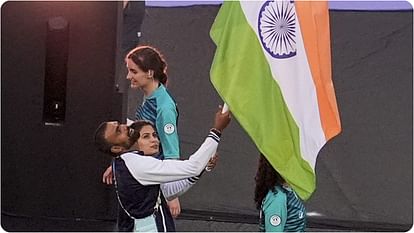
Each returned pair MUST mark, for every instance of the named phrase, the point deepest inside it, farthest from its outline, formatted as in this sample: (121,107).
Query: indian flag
(272,67)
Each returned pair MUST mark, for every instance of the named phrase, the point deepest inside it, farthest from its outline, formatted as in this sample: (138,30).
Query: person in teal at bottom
(281,210)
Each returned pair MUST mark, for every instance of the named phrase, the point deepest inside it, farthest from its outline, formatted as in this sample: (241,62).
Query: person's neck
(150,88)
(142,153)
(135,147)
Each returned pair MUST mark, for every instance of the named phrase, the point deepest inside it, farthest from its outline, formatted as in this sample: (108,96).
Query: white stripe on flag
(294,77)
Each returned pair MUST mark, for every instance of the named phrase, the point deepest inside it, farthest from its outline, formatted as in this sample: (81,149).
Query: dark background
(51,175)
(54,171)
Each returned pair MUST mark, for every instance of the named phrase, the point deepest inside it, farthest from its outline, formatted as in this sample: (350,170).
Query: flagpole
(225,108)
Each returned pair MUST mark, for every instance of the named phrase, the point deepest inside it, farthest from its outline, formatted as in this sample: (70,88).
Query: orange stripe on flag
(314,22)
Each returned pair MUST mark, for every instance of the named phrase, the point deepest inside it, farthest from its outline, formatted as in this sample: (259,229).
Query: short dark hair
(100,142)
(103,145)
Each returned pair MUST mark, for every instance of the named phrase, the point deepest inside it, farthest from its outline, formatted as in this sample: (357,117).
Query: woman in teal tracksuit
(281,210)
(147,71)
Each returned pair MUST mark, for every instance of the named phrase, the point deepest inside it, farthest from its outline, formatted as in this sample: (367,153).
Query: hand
(174,206)
(222,119)
(107,176)
(212,163)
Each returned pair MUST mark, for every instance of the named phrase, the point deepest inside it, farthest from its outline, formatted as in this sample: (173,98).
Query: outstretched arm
(148,170)
(177,188)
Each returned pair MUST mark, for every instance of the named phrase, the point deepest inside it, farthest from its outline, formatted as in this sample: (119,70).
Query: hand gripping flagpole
(223,110)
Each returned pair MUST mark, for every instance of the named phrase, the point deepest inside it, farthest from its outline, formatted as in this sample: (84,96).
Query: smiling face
(148,141)
(137,76)
(120,136)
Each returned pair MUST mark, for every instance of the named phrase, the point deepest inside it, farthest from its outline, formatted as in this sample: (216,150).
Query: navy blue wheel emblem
(277,28)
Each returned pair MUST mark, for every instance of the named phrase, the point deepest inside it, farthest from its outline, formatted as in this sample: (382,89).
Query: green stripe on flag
(242,77)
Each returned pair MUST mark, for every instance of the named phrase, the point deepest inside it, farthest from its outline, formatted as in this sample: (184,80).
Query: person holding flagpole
(147,71)
(138,174)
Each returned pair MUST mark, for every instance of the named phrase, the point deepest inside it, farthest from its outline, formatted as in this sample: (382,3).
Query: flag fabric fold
(272,66)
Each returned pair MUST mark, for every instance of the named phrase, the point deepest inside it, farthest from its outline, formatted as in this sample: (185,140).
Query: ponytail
(149,58)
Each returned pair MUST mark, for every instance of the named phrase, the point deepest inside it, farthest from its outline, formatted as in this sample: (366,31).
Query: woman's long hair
(266,179)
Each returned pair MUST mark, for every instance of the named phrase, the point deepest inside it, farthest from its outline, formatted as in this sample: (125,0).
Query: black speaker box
(59,64)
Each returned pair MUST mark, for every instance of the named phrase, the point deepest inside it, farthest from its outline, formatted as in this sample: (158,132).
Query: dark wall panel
(366,173)
(54,170)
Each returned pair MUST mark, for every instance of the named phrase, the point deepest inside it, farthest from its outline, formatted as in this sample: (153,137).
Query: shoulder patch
(275,220)
(169,128)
